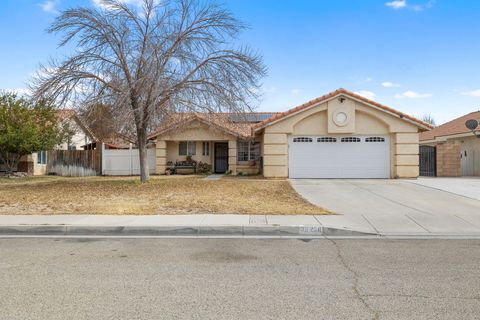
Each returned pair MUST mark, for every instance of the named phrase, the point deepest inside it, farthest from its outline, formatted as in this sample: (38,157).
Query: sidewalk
(170,225)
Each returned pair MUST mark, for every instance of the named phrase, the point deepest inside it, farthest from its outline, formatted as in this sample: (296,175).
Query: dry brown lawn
(162,195)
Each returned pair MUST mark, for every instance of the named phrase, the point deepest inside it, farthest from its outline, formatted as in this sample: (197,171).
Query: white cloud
(19,91)
(473,93)
(402,4)
(49,6)
(295,91)
(412,95)
(366,94)
(397,4)
(269,89)
(388,84)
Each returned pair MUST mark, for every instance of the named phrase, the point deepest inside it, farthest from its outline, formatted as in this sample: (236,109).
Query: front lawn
(162,195)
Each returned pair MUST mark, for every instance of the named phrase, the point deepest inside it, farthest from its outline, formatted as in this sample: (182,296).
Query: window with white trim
(302,139)
(206,148)
(42,157)
(350,139)
(375,139)
(248,150)
(326,139)
(187,148)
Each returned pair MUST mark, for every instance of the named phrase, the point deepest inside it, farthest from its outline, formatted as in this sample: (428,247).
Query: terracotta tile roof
(456,126)
(221,121)
(333,94)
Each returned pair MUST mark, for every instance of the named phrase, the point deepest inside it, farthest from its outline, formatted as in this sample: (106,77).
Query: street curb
(199,231)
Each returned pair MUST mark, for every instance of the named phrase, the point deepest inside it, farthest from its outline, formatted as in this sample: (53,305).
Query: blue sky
(417,56)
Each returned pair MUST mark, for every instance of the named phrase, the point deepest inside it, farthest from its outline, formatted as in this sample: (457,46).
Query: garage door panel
(339,159)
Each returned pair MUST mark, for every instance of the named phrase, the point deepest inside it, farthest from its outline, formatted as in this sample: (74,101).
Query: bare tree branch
(151,60)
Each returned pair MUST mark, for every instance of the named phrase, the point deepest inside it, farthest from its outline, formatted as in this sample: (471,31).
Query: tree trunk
(142,148)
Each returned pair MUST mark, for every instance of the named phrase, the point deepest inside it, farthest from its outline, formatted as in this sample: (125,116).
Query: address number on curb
(310,229)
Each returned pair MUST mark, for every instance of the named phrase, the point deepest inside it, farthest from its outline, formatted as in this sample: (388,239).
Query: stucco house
(451,150)
(338,135)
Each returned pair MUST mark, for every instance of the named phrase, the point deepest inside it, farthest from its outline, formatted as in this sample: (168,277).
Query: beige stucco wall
(363,120)
(167,145)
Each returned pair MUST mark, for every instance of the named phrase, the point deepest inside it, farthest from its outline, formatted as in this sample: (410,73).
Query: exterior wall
(470,156)
(448,159)
(78,140)
(362,120)
(168,145)
(173,156)
(161,156)
(406,160)
(275,155)
(38,169)
(232,156)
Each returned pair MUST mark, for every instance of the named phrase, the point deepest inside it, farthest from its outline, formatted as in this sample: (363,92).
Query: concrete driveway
(427,206)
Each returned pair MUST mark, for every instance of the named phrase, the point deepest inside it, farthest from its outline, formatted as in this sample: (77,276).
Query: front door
(221,157)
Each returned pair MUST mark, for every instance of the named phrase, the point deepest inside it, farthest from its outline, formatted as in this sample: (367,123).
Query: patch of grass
(161,195)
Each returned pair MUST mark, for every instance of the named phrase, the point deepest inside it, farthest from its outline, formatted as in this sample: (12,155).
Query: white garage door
(339,157)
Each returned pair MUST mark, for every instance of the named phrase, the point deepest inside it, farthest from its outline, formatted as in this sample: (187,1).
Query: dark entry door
(428,159)
(221,157)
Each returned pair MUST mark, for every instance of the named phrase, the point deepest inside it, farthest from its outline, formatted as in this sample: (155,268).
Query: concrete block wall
(448,159)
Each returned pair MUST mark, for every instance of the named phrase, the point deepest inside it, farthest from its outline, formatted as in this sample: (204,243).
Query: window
(42,157)
(302,139)
(187,148)
(375,139)
(350,139)
(248,150)
(327,139)
(206,148)
(71,147)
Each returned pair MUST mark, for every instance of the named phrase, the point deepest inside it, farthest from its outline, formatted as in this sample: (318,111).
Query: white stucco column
(161,156)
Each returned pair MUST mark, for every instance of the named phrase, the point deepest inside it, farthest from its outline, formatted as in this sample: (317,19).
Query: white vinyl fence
(125,162)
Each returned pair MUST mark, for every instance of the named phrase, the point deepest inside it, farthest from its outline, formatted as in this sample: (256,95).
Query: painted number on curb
(310,229)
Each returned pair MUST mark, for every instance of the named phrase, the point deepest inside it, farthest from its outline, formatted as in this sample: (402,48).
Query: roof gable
(421,124)
(456,126)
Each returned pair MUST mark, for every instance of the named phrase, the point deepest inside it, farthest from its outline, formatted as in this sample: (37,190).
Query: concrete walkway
(397,207)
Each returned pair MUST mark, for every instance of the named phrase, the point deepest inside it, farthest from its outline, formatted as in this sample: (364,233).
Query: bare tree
(152,59)
(428,118)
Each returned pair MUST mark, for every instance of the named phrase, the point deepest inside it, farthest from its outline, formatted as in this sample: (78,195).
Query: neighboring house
(339,135)
(36,163)
(451,150)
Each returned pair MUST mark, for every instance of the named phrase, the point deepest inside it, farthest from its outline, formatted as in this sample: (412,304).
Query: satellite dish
(471,124)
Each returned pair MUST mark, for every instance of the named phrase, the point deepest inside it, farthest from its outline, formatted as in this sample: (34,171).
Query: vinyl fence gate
(125,162)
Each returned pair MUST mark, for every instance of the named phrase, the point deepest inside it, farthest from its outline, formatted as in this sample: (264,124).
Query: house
(338,135)
(36,163)
(451,150)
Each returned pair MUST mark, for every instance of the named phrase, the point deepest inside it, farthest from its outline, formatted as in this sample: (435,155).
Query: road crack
(356,291)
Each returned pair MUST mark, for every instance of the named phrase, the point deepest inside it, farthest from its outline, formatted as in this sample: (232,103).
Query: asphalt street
(239,279)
